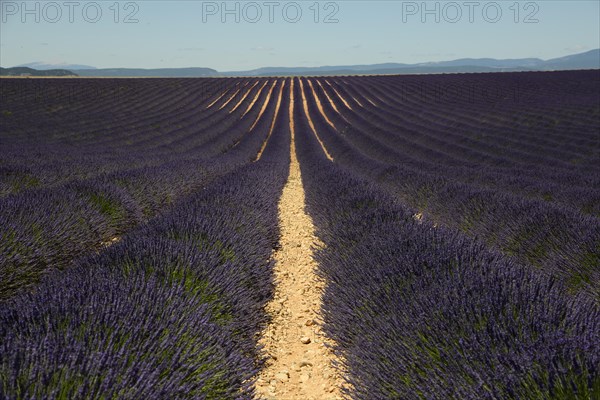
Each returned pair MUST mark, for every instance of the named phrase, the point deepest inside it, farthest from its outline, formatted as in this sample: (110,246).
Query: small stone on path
(305,340)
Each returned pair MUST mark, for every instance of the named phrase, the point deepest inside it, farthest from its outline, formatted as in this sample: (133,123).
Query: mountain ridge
(26,71)
(586,60)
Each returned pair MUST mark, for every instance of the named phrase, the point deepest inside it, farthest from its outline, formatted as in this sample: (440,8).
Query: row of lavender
(464,130)
(48,227)
(83,136)
(497,145)
(172,311)
(560,239)
(424,312)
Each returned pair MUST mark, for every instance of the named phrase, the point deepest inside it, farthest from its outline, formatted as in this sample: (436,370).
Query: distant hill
(140,72)
(486,63)
(351,70)
(25,71)
(587,60)
(462,65)
(40,65)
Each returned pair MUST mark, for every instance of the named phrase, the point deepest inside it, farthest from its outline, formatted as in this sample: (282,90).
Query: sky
(243,35)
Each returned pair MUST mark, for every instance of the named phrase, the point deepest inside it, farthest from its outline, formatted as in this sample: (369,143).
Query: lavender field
(458,220)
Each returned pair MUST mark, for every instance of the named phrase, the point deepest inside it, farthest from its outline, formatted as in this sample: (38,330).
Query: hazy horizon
(80,66)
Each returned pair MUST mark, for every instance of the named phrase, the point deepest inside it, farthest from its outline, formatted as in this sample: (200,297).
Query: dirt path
(262,110)
(310,121)
(331,102)
(255,98)
(264,106)
(369,100)
(300,364)
(320,106)
(356,100)
(277,106)
(229,100)
(341,98)
(243,97)
(217,99)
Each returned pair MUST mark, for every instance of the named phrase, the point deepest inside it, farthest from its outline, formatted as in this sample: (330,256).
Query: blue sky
(192,33)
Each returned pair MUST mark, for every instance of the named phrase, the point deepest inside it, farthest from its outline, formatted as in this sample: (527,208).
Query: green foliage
(113,211)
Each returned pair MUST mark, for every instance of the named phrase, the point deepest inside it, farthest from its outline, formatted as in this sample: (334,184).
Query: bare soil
(300,363)
(343,99)
(264,106)
(310,122)
(320,106)
(277,106)
(243,97)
